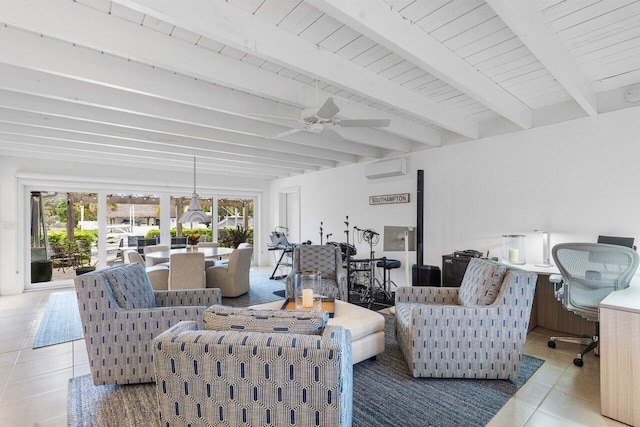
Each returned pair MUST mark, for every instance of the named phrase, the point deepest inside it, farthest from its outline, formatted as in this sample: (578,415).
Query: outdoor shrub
(152,233)
(89,235)
(231,237)
(59,238)
(205,233)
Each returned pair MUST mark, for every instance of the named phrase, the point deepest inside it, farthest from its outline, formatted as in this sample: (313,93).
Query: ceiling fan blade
(364,123)
(287,133)
(328,110)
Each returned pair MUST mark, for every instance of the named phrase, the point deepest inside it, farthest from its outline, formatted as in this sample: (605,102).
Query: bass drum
(345,248)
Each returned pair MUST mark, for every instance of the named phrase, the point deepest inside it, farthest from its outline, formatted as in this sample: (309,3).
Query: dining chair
(158,274)
(208,244)
(178,242)
(209,262)
(186,271)
(154,248)
(233,278)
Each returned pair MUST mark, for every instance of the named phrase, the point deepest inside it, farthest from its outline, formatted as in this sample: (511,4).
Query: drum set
(366,285)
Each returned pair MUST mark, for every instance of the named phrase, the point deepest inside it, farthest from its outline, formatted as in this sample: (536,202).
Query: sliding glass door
(72,232)
(63,234)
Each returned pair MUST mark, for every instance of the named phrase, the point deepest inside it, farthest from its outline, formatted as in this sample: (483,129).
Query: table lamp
(546,257)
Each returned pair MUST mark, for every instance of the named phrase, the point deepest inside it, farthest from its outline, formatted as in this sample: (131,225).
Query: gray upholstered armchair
(255,368)
(121,314)
(475,331)
(328,260)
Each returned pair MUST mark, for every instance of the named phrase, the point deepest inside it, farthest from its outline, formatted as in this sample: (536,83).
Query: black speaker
(425,275)
(453,269)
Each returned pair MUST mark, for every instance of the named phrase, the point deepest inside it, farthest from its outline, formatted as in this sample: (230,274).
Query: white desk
(620,355)
(547,312)
(537,269)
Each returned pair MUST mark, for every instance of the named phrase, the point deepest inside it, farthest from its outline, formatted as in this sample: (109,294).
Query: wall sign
(389,198)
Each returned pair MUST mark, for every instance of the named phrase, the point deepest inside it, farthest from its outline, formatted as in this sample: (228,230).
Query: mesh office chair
(590,272)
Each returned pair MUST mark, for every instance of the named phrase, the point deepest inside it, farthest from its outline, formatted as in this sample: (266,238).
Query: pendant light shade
(194,212)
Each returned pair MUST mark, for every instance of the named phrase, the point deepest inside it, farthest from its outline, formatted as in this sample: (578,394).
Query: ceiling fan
(318,119)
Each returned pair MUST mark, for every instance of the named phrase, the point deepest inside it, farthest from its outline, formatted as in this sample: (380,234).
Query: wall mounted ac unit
(386,169)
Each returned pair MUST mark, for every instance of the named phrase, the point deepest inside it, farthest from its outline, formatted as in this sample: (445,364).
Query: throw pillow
(131,286)
(222,318)
(481,283)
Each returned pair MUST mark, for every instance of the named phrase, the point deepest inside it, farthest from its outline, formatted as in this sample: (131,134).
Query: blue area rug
(384,394)
(61,321)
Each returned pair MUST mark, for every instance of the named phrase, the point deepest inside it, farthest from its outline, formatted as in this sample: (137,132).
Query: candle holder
(307,287)
(513,249)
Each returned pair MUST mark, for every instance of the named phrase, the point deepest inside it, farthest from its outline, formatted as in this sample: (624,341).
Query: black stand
(373,286)
(285,251)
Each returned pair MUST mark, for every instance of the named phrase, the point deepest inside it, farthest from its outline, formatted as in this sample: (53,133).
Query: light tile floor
(33,383)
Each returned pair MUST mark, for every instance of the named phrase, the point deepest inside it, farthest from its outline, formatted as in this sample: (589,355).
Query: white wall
(10,244)
(19,175)
(576,179)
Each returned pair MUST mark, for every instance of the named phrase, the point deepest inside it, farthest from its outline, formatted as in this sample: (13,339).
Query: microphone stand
(347,233)
(348,254)
(369,237)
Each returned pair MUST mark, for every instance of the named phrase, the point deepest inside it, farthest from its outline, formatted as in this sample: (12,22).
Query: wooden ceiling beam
(186,78)
(214,145)
(107,106)
(377,21)
(527,21)
(228,24)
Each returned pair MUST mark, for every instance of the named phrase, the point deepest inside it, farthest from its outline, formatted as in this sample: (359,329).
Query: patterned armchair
(255,368)
(475,331)
(328,260)
(121,314)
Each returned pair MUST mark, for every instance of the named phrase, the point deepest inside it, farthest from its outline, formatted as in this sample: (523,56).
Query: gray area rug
(261,290)
(384,394)
(61,321)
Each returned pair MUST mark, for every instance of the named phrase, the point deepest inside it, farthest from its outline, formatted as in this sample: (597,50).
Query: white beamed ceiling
(152,83)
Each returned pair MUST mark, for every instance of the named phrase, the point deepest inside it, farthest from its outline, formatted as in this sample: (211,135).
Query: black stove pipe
(420,222)
(423,275)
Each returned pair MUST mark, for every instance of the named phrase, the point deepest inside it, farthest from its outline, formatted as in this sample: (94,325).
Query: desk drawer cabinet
(620,361)
(620,356)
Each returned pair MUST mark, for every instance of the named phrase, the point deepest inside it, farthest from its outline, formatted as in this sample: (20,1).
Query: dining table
(209,253)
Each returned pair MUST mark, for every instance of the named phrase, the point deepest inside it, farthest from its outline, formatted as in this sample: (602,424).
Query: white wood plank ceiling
(151,83)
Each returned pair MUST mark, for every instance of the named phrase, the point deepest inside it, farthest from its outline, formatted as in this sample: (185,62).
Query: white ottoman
(366,327)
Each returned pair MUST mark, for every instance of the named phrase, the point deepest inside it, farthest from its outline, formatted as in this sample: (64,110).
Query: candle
(513,255)
(307,298)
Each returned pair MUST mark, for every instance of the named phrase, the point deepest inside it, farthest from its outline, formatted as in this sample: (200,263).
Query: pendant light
(194,212)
